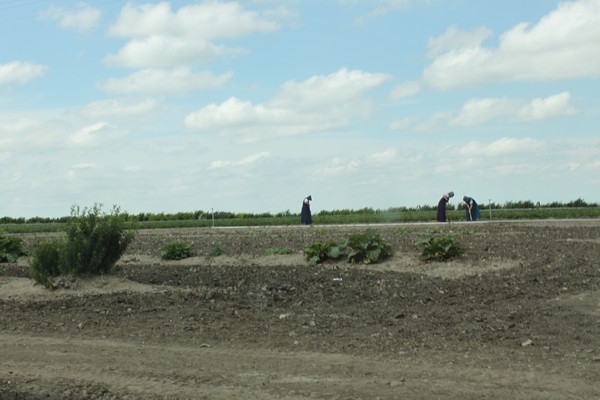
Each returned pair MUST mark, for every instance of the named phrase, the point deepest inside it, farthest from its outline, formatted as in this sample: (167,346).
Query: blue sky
(249,106)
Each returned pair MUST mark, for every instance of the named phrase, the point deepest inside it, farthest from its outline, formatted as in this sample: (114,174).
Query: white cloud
(119,108)
(162,38)
(175,81)
(243,162)
(318,104)
(383,157)
(558,105)
(405,89)
(594,165)
(20,72)
(164,52)
(404,123)
(17,126)
(75,171)
(208,20)
(476,112)
(95,134)
(480,111)
(324,90)
(562,45)
(501,147)
(435,122)
(454,39)
(339,166)
(84,166)
(82,19)
(380,8)
(35,130)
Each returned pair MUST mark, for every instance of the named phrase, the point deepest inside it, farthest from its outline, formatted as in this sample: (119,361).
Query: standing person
(305,216)
(441,208)
(472,212)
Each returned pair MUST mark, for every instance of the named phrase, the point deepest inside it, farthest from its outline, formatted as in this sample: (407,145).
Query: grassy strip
(352,218)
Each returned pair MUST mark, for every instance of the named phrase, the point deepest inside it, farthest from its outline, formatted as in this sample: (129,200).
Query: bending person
(472,212)
(441,208)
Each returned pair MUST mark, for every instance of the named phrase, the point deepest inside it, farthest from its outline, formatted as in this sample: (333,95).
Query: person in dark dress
(441,208)
(305,215)
(472,212)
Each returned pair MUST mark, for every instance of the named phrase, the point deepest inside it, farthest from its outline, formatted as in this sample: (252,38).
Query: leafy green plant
(274,251)
(10,248)
(95,240)
(93,243)
(177,250)
(366,247)
(46,261)
(440,248)
(216,251)
(319,252)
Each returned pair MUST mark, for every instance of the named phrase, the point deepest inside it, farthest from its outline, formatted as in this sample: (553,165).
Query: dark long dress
(305,215)
(475,213)
(441,210)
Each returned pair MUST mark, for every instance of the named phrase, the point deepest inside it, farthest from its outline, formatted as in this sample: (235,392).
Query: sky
(250,106)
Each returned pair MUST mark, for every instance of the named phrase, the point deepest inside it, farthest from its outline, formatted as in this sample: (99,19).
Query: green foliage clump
(440,248)
(93,243)
(95,240)
(274,251)
(216,251)
(366,247)
(10,248)
(363,248)
(46,261)
(318,252)
(177,250)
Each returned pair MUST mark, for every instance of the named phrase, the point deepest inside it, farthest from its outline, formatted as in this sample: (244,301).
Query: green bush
(318,252)
(93,243)
(440,248)
(46,261)
(177,250)
(95,240)
(10,248)
(274,251)
(216,251)
(366,247)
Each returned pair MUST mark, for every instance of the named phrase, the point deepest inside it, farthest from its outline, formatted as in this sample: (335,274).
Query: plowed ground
(516,317)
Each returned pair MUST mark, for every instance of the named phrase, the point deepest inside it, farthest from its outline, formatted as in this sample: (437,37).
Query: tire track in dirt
(148,371)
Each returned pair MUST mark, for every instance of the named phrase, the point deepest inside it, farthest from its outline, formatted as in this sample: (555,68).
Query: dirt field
(516,317)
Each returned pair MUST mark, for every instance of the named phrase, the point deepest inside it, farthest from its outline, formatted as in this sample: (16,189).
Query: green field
(364,216)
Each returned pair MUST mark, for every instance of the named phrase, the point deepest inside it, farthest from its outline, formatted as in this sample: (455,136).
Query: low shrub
(46,261)
(366,247)
(95,240)
(216,251)
(10,248)
(318,252)
(177,250)
(440,248)
(274,251)
(93,243)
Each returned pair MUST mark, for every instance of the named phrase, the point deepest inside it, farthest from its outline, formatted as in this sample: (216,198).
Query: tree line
(223,215)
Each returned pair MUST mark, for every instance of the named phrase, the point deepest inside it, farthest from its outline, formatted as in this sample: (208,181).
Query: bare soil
(516,317)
